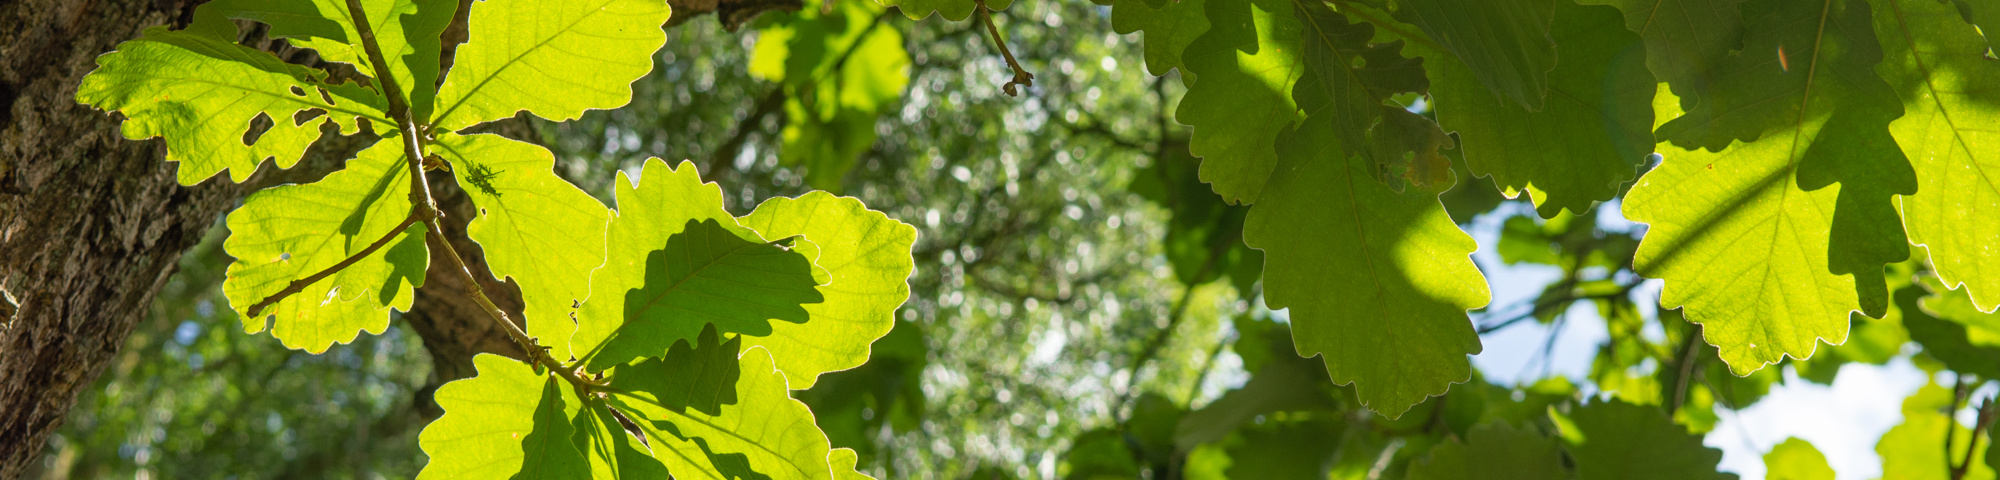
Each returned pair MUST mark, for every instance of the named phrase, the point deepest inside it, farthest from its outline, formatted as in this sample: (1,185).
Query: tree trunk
(91,224)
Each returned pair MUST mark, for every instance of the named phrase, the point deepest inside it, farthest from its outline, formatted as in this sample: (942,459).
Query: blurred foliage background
(1083,306)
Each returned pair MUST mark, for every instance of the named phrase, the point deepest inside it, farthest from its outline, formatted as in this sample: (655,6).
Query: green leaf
(550,58)
(1352,79)
(1915,450)
(1168,29)
(1289,449)
(707,275)
(841,71)
(287,233)
(766,434)
(1949,342)
(1393,322)
(1755,243)
(1939,64)
(1685,39)
(952,10)
(1244,98)
(647,215)
(1493,451)
(612,451)
(1796,460)
(1098,454)
(201,91)
(1801,62)
(1616,440)
(865,258)
(677,261)
(1505,43)
(533,226)
(702,376)
(407,31)
(549,451)
(504,422)
(1982,329)
(1592,134)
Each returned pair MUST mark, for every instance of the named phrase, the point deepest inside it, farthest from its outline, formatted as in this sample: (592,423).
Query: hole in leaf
(258,126)
(307,115)
(324,95)
(298,91)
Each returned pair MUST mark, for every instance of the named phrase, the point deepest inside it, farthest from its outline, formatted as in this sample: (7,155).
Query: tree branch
(426,209)
(1978,427)
(1021,75)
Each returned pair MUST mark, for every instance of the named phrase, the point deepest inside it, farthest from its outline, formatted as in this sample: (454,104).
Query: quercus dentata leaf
(1393,322)
(1505,43)
(1352,78)
(765,434)
(1684,39)
(1168,29)
(707,275)
(203,93)
(678,261)
(1938,63)
(863,262)
(1495,451)
(1614,440)
(499,420)
(407,31)
(533,226)
(1244,96)
(1592,133)
(1794,459)
(553,58)
(612,451)
(290,232)
(699,374)
(1770,242)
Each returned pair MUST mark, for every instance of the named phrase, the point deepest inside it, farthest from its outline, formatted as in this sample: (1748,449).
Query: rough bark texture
(92,225)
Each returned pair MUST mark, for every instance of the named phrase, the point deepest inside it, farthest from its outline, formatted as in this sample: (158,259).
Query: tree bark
(91,224)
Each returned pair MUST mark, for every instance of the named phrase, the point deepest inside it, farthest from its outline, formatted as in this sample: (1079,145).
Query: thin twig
(1690,355)
(1021,75)
(1959,390)
(300,285)
(426,209)
(1978,427)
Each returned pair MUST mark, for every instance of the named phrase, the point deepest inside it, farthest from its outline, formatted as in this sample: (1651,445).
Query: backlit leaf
(505,422)
(1393,322)
(1168,29)
(1939,64)
(550,58)
(534,227)
(865,257)
(201,91)
(1796,460)
(1244,97)
(290,232)
(766,434)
